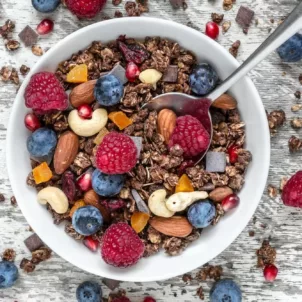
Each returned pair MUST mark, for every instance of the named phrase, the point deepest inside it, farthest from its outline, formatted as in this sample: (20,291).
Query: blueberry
(108,90)
(107,185)
(87,220)
(8,274)
(89,291)
(291,50)
(203,79)
(45,6)
(225,291)
(201,214)
(41,145)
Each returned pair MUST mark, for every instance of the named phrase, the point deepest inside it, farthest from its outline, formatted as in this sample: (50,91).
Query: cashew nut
(157,204)
(180,201)
(150,76)
(88,127)
(55,197)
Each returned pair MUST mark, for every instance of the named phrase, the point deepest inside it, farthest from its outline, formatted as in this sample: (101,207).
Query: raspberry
(45,93)
(191,135)
(85,8)
(121,246)
(292,191)
(116,154)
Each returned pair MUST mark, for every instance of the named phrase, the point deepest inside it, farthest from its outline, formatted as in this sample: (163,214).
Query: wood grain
(56,280)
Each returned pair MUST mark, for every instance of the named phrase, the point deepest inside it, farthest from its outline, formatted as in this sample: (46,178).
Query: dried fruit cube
(139,220)
(78,74)
(42,173)
(78,204)
(99,138)
(184,184)
(120,119)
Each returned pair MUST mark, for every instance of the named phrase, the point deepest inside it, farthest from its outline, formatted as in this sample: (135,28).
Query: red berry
(84,182)
(116,154)
(85,8)
(149,299)
(91,243)
(121,246)
(31,122)
(270,272)
(121,299)
(132,71)
(44,93)
(191,135)
(45,27)
(230,202)
(85,111)
(233,154)
(292,191)
(212,30)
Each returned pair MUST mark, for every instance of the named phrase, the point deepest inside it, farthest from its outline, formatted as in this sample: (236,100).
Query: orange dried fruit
(184,184)
(78,74)
(120,119)
(99,138)
(42,173)
(78,204)
(139,220)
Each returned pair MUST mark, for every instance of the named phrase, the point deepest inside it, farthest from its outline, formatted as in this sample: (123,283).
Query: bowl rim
(9,144)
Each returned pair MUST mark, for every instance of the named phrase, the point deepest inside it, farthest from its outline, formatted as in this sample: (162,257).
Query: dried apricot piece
(42,173)
(120,119)
(78,204)
(184,184)
(139,220)
(99,138)
(78,74)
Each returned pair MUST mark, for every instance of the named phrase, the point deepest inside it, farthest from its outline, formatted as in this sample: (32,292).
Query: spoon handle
(282,33)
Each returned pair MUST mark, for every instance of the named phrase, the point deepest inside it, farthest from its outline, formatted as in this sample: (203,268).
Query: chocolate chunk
(33,242)
(111,284)
(215,161)
(28,36)
(120,72)
(244,16)
(171,74)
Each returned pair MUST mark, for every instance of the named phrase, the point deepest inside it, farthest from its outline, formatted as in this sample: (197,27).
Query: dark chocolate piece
(171,74)
(28,36)
(244,17)
(33,242)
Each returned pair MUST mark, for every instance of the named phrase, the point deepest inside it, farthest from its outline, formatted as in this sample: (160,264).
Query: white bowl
(214,239)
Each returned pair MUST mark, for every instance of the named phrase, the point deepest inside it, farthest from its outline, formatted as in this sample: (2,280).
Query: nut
(92,198)
(157,204)
(66,151)
(150,76)
(225,101)
(177,226)
(180,201)
(82,94)
(166,123)
(220,193)
(55,197)
(88,127)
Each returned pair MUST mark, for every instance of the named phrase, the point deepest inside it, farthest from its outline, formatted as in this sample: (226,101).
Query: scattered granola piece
(27,265)
(296,123)
(227,4)
(37,50)
(24,70)
(300,78)
(234,48)
(226,26)
(251,233)
(28,36)
(40,255)
(266,254)
(13,201)
(7,28)
(296,107)
(118,14)
(217,18)
(12,45)
(111,284)
(187,278)
(14,77)
(2,198)
(116,2)
(276,119)
(283,182)
(244,17)
(210,272)
(131,9)
(272,191)
(9,255)
(298,94)
(294,144)
(33,242)
(5,73)
(178,4)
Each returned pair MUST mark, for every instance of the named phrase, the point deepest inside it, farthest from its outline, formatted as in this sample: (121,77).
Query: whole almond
(166,123)
(66,151)
(176,226)
(225,101)
(82,94)
(220,193)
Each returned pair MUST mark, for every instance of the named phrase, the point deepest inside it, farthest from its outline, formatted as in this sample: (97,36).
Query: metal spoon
(183,104)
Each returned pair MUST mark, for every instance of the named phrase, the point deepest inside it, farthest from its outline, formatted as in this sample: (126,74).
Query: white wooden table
(56,280)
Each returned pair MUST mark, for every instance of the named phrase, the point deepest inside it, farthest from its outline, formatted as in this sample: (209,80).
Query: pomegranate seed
(85,111)
(91,243)
(270,272)
(132,71)
(31,122)
(233,154)
(149,299)
(212,30)
(230,202)
(85,180)
(45,27)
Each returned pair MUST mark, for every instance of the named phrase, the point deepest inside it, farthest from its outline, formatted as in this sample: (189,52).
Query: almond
(66,151)
(225,101)
(166,123)
(176,226)
(82,94)
(220,193)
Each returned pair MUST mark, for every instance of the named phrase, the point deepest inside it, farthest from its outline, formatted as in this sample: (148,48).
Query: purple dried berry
(68,185)
(113,204)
